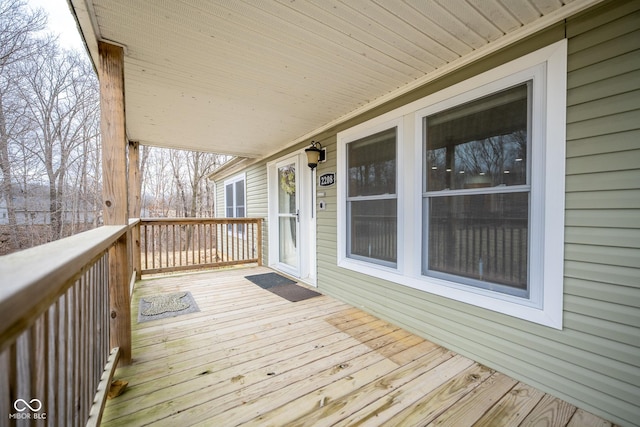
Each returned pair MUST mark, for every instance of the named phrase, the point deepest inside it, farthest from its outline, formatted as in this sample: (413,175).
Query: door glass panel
(287,189)
(287,215)
(288,246)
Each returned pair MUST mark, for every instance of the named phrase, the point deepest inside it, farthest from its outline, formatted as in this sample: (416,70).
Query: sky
(60,22)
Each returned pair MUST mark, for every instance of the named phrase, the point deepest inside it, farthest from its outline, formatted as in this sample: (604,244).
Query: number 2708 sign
(327,179)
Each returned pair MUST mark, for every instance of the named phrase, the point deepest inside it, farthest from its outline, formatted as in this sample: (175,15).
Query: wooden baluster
(5,394)
(37,361)
(245,228)
(193,244)
(174,245)
(167,241)
(146,246)
(197,233)
(219,241)
(259,242)
(53,344)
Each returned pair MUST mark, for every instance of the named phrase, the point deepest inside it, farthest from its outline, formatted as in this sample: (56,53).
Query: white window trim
(547,66)
(344,138)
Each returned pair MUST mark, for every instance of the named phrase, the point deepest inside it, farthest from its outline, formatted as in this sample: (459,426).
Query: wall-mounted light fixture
(314,154)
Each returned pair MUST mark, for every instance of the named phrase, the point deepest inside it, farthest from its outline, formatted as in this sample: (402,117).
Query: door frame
(305,178)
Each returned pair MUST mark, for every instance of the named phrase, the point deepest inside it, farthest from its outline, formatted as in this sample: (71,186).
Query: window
(470,205)
(371,199)
(476,191)
(234,199)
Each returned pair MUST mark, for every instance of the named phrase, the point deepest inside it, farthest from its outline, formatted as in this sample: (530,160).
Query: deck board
(250,357)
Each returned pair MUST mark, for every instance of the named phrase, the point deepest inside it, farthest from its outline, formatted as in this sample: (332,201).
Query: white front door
(288,216)
(292,222)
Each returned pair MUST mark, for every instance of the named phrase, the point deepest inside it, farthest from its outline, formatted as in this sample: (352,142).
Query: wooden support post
(134,180)
(135,190)
(114,191)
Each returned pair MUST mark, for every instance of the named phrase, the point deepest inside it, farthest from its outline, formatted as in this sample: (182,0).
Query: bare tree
(177,159)
(84,167)
(18,25)
(201,165)
(190,171)
(177,181)
(56,87)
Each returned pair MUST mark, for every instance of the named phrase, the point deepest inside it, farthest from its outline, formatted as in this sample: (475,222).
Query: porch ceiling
(248,78)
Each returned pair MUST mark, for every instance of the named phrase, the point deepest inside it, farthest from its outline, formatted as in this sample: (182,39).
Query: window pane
(482,237)
(373,229)
(479,144)
(372,164)
(240,193)
(229,195)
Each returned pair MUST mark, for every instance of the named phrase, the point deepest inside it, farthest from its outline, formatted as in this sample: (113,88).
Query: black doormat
(269,280)
(293,293)
(282,286)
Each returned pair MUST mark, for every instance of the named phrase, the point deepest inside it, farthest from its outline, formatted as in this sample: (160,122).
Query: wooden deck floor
(250,357)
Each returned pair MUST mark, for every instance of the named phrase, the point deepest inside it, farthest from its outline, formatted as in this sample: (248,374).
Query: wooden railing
(179,244)
(55,355)
(64,304)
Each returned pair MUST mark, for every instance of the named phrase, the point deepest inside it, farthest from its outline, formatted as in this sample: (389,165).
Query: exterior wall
(257,203)
(593,362)
(256,200)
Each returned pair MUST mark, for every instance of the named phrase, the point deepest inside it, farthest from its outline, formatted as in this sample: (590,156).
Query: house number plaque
(327,179)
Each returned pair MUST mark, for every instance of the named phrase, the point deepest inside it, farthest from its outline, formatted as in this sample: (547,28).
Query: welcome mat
(166,305)
(282,286)
(269,280)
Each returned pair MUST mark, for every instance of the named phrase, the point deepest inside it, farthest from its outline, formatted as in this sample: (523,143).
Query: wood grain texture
(115,190)
(252,358)
(181,244)
(59,359)
(27,292)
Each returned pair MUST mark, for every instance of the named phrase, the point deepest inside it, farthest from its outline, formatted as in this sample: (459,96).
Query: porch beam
(115,191)
(134,179)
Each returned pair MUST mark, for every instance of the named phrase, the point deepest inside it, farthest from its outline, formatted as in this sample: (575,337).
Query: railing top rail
(199,220)
(31,280)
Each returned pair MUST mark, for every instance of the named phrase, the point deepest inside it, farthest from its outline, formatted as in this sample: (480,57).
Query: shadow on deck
(250,357)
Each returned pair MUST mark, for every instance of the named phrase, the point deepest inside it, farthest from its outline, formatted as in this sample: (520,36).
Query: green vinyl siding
(602,257)
(594,362)
(257,203)
(256,200)
(219,197)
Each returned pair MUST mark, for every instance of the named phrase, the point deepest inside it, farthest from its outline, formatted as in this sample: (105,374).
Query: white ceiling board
(249,77)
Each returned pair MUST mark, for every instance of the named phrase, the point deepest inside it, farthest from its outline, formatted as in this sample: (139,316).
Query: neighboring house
(32,208)
(481,186)
(494,210)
